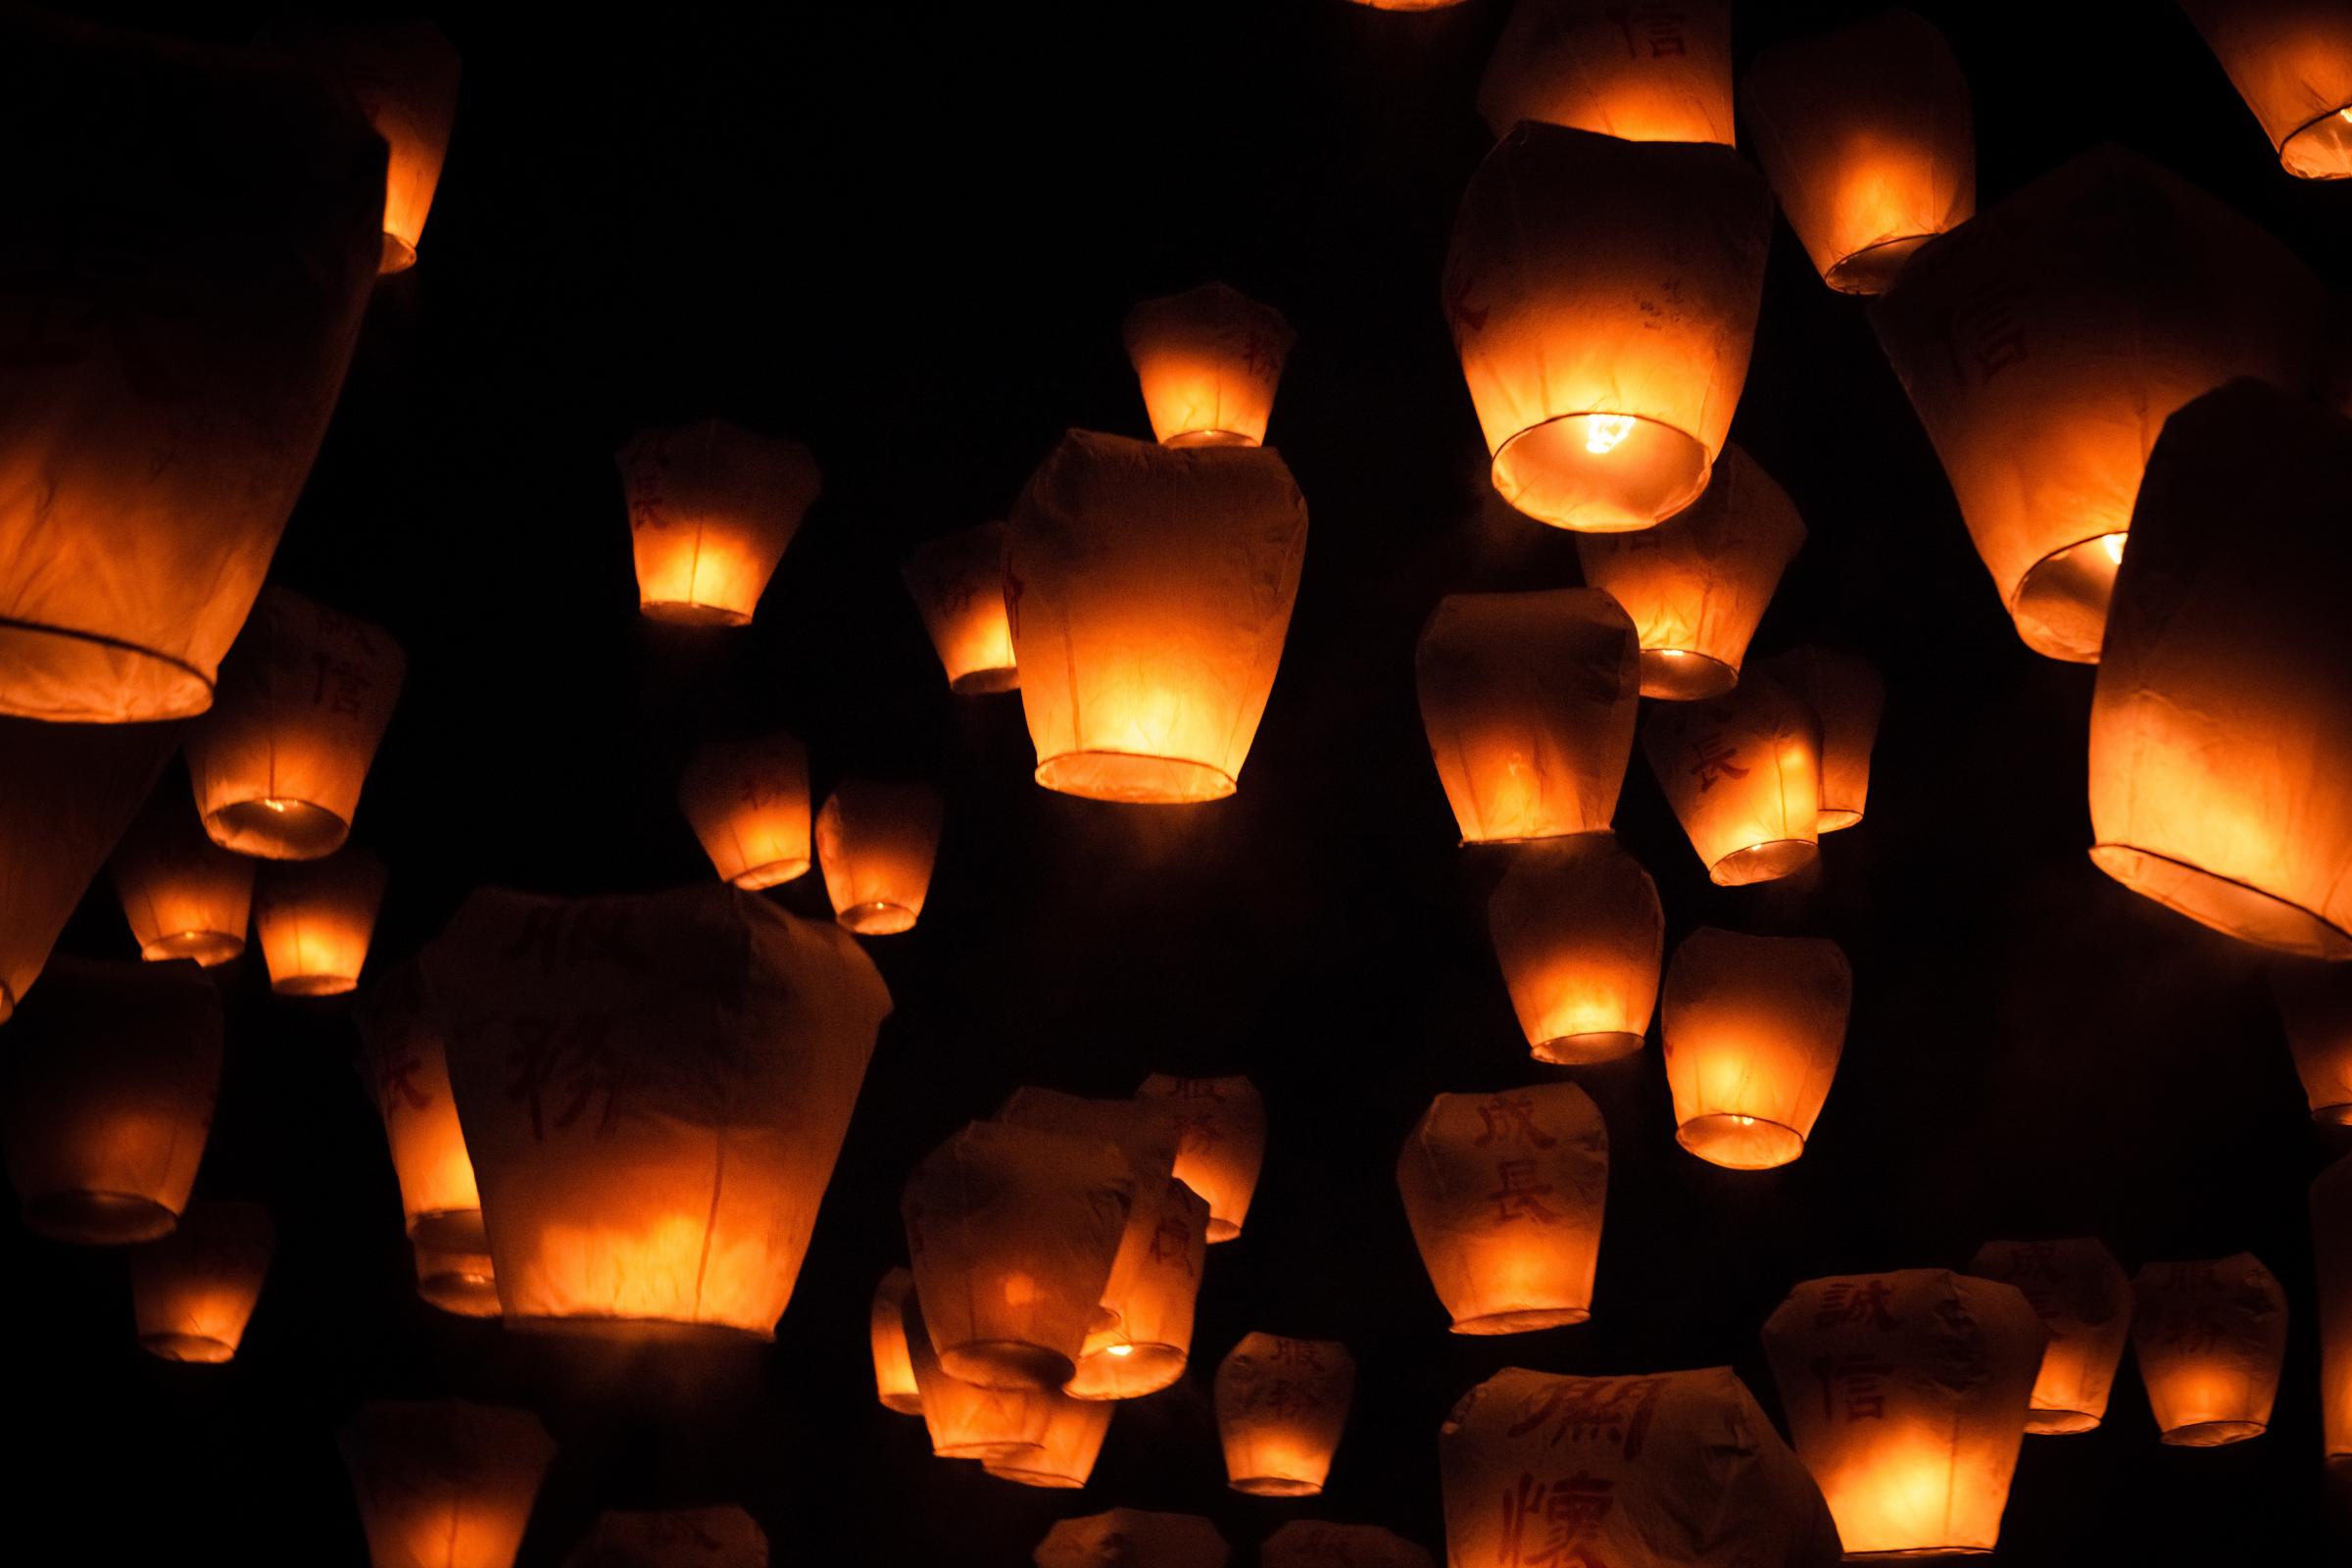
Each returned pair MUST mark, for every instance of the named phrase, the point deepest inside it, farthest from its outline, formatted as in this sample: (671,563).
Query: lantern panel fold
(193,1291)
(2211,1336)
(2331,1253)
(1847,696)
(748,802)
(405,1061)
(876,843)
(184,896)
(1753,1030)
(1221,1142)
(712,508)
(1742,772)
(894,1372)
(1281,1404)
(314,919)
(1651,71)
(957,583)
(405,76)
(444,1484)
(2291,62)
(681,1537)
(1578,931)
(1320,1544)
(1208,361)
(2084,1302)
(1132,1537)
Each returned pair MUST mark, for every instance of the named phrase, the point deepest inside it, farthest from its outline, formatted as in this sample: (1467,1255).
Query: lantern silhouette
(1281,1404)
(684,1538)
(405,76)
(2044,344)
(193,1291)
(1149,590)
(1220,1141)
(1643,73)
(1906,1394)
(184,896)
(2291,62)
(1576,926)
(314,919)
(2314,1003)
(1697,584)
(111,1071)
(405,1060)
(1742,772)
(1604,359)
(748,801)
(443,1483)
(2210,1336)
(1527,702)
(303,698)
(2085,1303)
(1865,135)
(876,842)
(1320,1544)
(1754,1027)
(894,1372)
(1132,1538)
(1504,1195)
(653,1090)
(1208,361)
(186,365)
(957,582)
(712,508)
(1846,695)
(2331,1250)
(1033,1436)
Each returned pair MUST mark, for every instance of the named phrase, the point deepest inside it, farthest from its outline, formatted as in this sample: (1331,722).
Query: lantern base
(2245,912)
(2060,1423)
(1577,1050)
(1740,1142)
(2060,605)
(1022,1477)
(1901,1553)
(1134,778)
(1684,675)
(1600,472)
(1143,1369)
(2321,150)
(1277,1486)
(1527,1321)
(2213,1434)
(98,1219)
(1219,1229)
(2332,1116)
(399,255)
(686,613)
(987,1452)
(984,682)
(878,917)
(207,948)
(1836,818)
(1872,269)
(460,1293)
(771,874)
(276,828)
(644,1330)
(1007,1364)
(907,1402)
(193,1349)
(453,1262)
(1764,862)
(1211,438)
(65,676)
(315,985)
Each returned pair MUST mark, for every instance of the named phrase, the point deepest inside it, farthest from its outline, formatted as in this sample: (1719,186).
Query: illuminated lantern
(2044,343)
(1653,70)
(1527,702)
(303,698)
(314,919)
(2331,1247)
(443,1483)
(112,1073)
(1604,358)
(2085,1303)
(406,1063)
(1132,1537)
(1067,1445)
(1906,1394)
(2209,1337)
(894,1372)
(1221,1142)
(1754,1027)
(684,1538)
(193,1290)
(2291,62)
(748,801)
(186,897)
(1281,1406)
(1577,928)
(1320,1544)
(1150,589)
(876,842)
(653,1089)
(1697,584)
(2315,1001)
(957,582)
(1846,695)
(712,508)
(1504,1195)
(405,76)
(1865,135)
(1036,1437)
(1208,361)
(1742,772)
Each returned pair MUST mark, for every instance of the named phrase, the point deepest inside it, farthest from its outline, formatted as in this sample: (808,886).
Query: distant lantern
(712,508)
(2044,343)
(2314,1003)
(679,1538)
(894,1372)
(748,801)
(314,919)
(1208,361)
(111,1071)
(186,897)
(443,1483)
(405,76)
(1221,1142)
(2332,1250)
(1320,1544)
(1031,1437)
(193,1290)
(1132,1537)
(957,582)
(653,1089)
(1697,584)
(1504,1195)
(1150,589)
(305,697)
(405,1060)
(1604,359)
(2291,62)
(1643,73)
(1906,1394)
(1578,931)
(1281,1404)
(1742,772)
(1754,1027)
(2210,1336)
(876,842)
(2084,1302)
(1847,695)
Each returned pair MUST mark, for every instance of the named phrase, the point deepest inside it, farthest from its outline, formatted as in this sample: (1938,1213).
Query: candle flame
(1606,430)
(2115,546)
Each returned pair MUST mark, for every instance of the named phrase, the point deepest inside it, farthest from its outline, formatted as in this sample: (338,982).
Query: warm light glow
(405,76)
(1643,73)
(957,582)
(712,508)
(1208,361)
(1578,931)
(2209,1337)
(1221,1142)
(748,802)
(444,1484)
(1603,431)
(405,1061)
(1742,772)
(1846,695)
(893,1368)
(184,896)
(2113,544)
(2315,1004)
(2291,62)
(1281,1404)
(2084,1302)
(1753,1030)
(314,920)
(876,842)
(193,1291)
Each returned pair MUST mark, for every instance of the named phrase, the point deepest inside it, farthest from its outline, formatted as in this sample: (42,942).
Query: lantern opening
(1576,1050)
(2213,1434)
(2329,1116)
(1275,1487)
(1008,1469)
(1127,1370)
(1762,863)
(1872,269)
(196,1349)
(986,683)
(2245,912)
(98,1219)
(1740,1142)
(1684,674)
(149,684)
(2060,1423)
(207,947)
(2322,149)
(1209,438)
(2060,604)
(313,985)
(771,874)
(1834,818)
(1007,1364)
(1526,1320)
(1134,778)
(693,613)
(879,918)
(1600,472)
(460,1283)
(398,255)
(276,827)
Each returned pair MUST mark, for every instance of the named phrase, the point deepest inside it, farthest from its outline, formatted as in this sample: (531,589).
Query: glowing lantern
(653,1089)
(1320,1544)
(2315,1001)
(712,508)
(405,76)
(2331,1247)
(406,1063)
(1504,1195)
(1208,361)
(1577,928)
(2044,343)
(2210,1336)
(303,698)
(1132,1537)
(314,919)
(112,1070)
(186,897)
(1149,590)
(1846,695)
(1754,1027)
(1281,1406)
(1742,772)
(2085,1303)
(1906,1394)
(894,1372)
(1221,1142)
(443,1483)
(1652,71)
(1604,359)
(2291,62)
(958,585)
(685,1537)
(1066,1447)
(193,1290)
(1032,1437)
(748,801)
(1697,584)
(876,842)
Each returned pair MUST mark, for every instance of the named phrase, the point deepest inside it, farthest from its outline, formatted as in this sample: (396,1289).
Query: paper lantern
(1148,589)
(2210,1336)
(1865,135)
(112,1072)
(1604,355)
(186,897)
(2044,343)
(1754,1027)
(2331,1250)
(748,802)
(1650,70)
(443,1483)
(1030,1436)
(957,582)
(405,76)
(2291,62)
(1208,361)
(712,508)
(1846,695)
(894,1373)
(1578,931)
(1132,1538)
(193,1291)
(303,698)
(314,919)
(1742,772)
(876,842)
(653,1089)
(1067,1445)
(683,1538)
(1697,584)
(1221,1142)
(1906,1394)
(2084,1302)
(1504,1195)
(1320,1544)
(1281,1406)
(2314,1003)
(405,1061)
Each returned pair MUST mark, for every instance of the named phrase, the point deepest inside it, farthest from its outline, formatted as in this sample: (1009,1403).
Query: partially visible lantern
(193,1291)
(957,582)
(1652,71)
(748,801)
(2084,1302)
(680,1538)
(184,896)
(314,919)
(444,1484)
(1149,590)
(1604,358)
(1067,1445)
(405,74)
(1281,1404)
(1906,1394)
(405,1060)
(1505,1193)
(1753,1030)
(1208,361)
(1034,1437)
(1742,772)
(894,1371)
(1847,695)
(1221,1142)
(712,508)
(1320,1544)
(1578,931)
(876,842)
(1132,1537)
(2291,62)
(2210,1336)
(2314,1003)
(2331,1253)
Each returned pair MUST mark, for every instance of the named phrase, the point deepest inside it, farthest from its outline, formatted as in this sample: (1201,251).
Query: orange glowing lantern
(186,897)
(2315,1001)
(1132,1537)
(1754,1027)
(2085,1303)
(2291,62)
(1032,1437)
(1208,361)
(748,801)
(683,1538)
(1846,695)
(2331,1250)
(1150,589)
(1504,1195)
(193,1291)
(314,919)
(1320,1544)
(894,1372)
(2210,1336)
(406,1063)
(712,508)
(405,76)
(957,582)
(1070,1442)
(1742,772)
(1578,931)
(1651,71)
(1281,1406)
(876,842)
(443,1483)
(1221,1142)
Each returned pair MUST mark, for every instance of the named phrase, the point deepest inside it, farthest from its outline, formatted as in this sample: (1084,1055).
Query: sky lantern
(1604,359)
(1220,1141)
(444,1484)
(653,1090)
(748,801)
(1208,361)
(2331,1250)
(184,896)
(1504,1195)
(1651,71)
(405,1063)
(1132,1537)
(2210,1334)
(2084,1302)
(405,76)
(314,919)
(1578,931)
(192,1290)
(2291,62)
(894,1372)
(1906,1394)
(1754,1027)
(2044,343)
(712,508)
(2314,1003)
(677,1537)
(957,582)
(1320,1544)
(1031,1437)
(1281,1404)
(1150,589)
(1846,695)
(1067,1445)
(876,841)
(1742,772)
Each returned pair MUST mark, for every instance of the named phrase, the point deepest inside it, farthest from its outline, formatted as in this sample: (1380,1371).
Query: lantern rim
(2339,143)
(1147,1367)
(315,985)
(903,1404)
(147,683)
(194,1349)
(1835,819)
(644,1330)
(771,873)
(1582,1050)
(210,949)
(1900,1553)
(1211,437)
(1001,1364)
(2059,606)
(397,257)
(461,1293)
(98,1218)
(876,917)
(1276,1487)
(2335,1115)
(1220,1229)
(1872,270)
(1129,777)
(1767,861)
(277,827)
(2060,1423)
(986,681)
(692,612)
(1523,1321)
(1684,674)
(2223,904)
(1541,470)
(1539,838)
(1025,1476)
(2212,1434)
(1740,1141)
